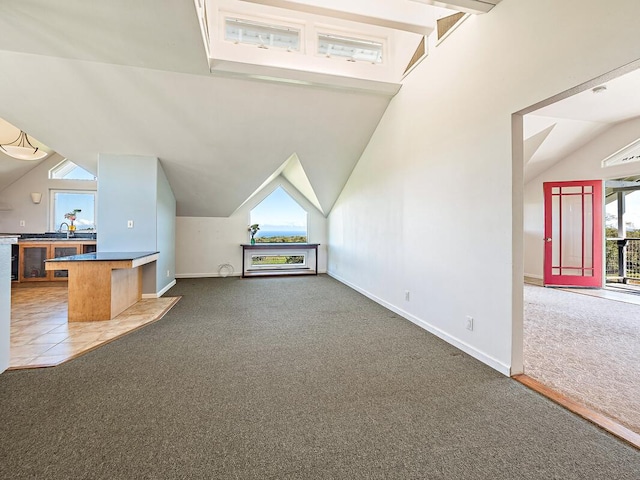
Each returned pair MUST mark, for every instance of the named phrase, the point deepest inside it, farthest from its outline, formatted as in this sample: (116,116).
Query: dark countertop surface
(53,236)
(102,257)
(56,240)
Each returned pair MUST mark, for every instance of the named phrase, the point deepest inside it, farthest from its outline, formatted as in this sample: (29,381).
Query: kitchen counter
(8,239)
(133,257)
(103,284)
(55,239)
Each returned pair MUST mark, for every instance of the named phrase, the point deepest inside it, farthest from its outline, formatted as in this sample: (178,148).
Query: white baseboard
(205,275)
(531,275)
(215,275)
(456,342)
(160,293)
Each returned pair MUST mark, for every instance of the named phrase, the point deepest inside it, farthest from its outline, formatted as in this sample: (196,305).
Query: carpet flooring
(289,378)
(585,348)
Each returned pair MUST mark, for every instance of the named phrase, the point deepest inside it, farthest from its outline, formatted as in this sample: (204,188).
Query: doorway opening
(622,234)
(577,347)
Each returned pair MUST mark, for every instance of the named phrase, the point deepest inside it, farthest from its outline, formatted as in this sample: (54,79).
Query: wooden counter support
(102,285)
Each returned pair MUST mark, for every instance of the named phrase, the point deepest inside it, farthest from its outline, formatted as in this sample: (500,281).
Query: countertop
(103,257)
(8,239)
(83,236)
(58,240)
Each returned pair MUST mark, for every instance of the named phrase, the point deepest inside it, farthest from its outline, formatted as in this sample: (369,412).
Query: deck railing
(623,259)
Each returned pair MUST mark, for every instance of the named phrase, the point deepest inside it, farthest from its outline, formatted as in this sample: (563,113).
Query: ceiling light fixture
(22,149)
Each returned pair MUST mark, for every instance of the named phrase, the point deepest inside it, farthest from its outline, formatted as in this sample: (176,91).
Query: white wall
(431,207)
(166,233)
(583,164)
(5,300)
(204,244)
(18,195)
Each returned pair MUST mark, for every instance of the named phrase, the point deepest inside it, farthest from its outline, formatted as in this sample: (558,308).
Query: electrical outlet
(168,273)
(22,223)
(407,295)
(469,322)
(129,223)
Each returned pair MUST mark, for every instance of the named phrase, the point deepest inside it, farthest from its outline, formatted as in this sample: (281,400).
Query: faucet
(69,232)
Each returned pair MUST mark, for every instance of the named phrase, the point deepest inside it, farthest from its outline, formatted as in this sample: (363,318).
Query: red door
(573,233)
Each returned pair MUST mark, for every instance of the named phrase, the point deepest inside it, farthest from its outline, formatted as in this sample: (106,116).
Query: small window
(352,49)
(67,170)
(279,261)
(261,34)
(66,201)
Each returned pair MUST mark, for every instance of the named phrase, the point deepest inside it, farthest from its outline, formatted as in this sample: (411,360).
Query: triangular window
(67,170)
(281,219)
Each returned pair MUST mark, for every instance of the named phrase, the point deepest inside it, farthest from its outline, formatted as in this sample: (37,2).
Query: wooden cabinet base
(96,292)
(102,289)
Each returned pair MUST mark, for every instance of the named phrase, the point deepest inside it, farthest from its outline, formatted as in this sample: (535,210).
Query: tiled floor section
(42,337)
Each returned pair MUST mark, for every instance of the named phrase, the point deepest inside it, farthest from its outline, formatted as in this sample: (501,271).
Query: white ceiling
(87,77)
(553,132)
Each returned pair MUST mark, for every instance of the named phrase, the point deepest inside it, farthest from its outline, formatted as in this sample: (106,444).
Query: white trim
(628,154)
(536,276)
(477,354)
(52,205)
(206,275)
(216,275)
(161,292)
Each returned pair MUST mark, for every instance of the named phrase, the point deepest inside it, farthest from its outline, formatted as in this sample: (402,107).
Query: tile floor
(42,337)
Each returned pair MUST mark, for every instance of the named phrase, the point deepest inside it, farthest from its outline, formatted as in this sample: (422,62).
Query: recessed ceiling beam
(467,6)
(351,16)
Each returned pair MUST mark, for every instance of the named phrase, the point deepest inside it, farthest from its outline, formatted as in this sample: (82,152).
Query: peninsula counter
(102,284)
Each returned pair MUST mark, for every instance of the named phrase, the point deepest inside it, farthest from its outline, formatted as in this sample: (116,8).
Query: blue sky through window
(632,214)
(65,202)
(279,213)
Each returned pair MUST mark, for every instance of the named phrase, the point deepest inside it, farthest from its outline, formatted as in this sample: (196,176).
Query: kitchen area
(55,309)
(67,299)
(29,254)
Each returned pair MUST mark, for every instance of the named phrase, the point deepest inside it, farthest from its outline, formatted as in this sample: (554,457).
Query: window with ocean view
(281,219)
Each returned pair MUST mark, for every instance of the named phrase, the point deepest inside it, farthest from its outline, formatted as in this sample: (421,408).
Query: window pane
(588,228)
(281,219)
(353,49)
(278,260)
(555,231)
(67,170)
(572,232)
(570,190)
(261,34)
(67,202)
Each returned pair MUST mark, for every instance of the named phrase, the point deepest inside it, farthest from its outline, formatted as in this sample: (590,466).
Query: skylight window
(353,49)
(263,35)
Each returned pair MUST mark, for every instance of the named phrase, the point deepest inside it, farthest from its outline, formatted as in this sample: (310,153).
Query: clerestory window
(67,170)
(240,31)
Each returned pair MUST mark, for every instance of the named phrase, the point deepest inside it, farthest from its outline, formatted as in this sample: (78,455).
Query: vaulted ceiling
(87,77)
(553,132)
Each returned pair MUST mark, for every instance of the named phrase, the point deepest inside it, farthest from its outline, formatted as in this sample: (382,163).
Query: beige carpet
(586,348)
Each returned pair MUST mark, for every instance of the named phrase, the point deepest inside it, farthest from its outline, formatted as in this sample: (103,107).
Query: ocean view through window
(281,219)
